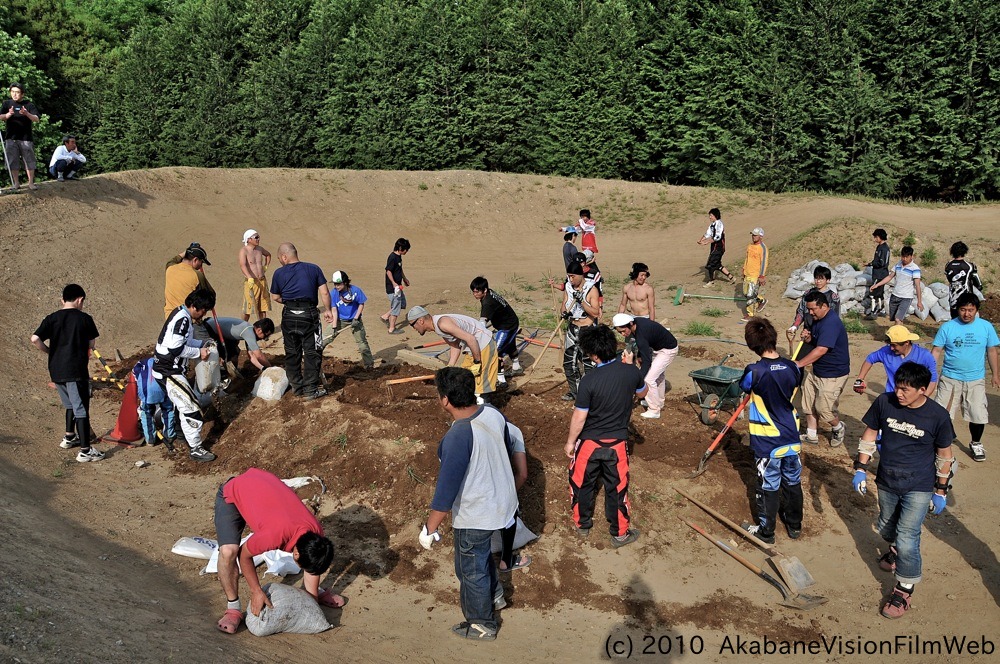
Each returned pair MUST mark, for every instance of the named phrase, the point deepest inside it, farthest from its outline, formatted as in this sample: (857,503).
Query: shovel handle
(728,549)
(414,379)
(729,424)
(732,524)
(542,354)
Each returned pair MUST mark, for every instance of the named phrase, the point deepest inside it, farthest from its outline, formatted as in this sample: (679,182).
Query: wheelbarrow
(718,388)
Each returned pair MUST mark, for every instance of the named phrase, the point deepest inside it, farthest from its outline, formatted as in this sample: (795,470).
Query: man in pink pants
(656,348)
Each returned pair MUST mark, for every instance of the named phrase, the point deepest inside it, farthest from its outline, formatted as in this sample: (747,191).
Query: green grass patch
(698,328)
(543,319)
(910,239)
(714,312)
(928,257)
(853,323)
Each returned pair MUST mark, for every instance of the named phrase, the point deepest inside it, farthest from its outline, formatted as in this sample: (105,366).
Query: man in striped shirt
(907,286)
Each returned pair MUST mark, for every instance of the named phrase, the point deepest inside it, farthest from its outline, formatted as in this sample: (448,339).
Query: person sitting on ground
(466,336)
(638,297)
(279,521)
(67,160)
(899,348)
(497,312)
(235,330)
(821,281)
(71,334)
(914,472)
(774,433)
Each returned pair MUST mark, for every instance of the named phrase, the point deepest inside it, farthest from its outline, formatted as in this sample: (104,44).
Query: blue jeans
(900,517)
(477,575)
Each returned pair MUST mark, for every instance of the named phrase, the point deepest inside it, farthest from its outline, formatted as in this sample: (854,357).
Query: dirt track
(85,558)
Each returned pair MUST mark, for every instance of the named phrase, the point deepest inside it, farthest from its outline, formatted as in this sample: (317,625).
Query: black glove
(565,315)
(860,386)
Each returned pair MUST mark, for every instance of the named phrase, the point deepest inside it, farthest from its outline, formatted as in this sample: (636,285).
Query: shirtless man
(638,296)
(254,260)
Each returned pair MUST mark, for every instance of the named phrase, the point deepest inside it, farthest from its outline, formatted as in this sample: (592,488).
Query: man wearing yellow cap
(899,348)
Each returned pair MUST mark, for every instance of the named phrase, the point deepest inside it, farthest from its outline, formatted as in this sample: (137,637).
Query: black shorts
(715,260)
(229,523)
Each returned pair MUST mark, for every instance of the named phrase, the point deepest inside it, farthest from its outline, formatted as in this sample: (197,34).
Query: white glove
(395,290)
(427,539)
(792,329)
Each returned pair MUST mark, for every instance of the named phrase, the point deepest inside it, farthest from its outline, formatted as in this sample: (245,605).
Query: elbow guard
(867,447)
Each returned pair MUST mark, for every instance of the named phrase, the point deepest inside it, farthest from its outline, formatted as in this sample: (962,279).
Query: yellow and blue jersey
(774,423)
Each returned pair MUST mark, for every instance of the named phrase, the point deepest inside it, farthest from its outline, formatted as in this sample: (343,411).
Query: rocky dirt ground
(86,572)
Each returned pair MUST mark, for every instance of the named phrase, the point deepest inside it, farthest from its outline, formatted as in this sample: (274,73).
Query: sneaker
(89,454)
(316,394)
(651,415)
(72,176)
(730,278)
(201,454)
(499,602)
(582,533)
(569,396)
(837,436)
(69,442)
(745,320)
(793,533)
(643,403)
(623,540)
(398,330)
(888,560)
(755,530)
(709,284)
(978,451)
(60,178)
(761,304)
(806,438)
(897,604)
(475,631)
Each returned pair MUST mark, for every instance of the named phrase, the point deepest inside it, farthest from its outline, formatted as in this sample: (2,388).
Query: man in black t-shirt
(70,334)
(395,282)
(874,301)
(657,348)
(597,436)
(495,310)
(18,115)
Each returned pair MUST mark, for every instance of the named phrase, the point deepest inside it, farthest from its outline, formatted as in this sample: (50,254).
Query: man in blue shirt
(898,349)
(914,473)
(965,342)
(476,484)
(301,288)
(774,433)
(831,363)
(349,302)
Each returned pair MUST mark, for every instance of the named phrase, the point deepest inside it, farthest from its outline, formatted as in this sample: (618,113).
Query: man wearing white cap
(657,348)
(754,273)
(254,260)
(463,333)
(348,304)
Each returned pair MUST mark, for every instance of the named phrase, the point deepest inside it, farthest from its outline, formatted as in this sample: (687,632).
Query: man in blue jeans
(476,485)
(914,473)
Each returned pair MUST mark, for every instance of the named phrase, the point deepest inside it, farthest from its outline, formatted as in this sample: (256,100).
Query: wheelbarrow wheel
(710,410)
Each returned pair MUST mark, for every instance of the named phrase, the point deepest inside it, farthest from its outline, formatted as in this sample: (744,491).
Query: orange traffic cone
(127,430)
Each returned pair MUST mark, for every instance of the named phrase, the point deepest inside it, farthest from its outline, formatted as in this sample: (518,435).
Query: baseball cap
(757,231)
(415,313)
(249,234)
(621,320)
(897,334)
(198,252)
(338,277)
(588,254)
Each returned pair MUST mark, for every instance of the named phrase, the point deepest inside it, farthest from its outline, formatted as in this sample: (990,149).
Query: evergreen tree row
(895,98)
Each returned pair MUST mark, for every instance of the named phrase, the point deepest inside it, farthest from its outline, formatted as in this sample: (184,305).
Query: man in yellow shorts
(468,337)
(254,260)
(754,273)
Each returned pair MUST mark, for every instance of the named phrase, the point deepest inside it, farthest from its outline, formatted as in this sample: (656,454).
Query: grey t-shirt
(235,329)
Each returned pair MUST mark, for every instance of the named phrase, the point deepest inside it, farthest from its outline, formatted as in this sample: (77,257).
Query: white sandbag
(939,289)
(280,563)
(844,268)
(848,295)
(926,310)
(195,547)
(864,278)
(792,293)
(945,302)
(271,385)
(294,611)
(940,313)
(804,285)
(208,373)
(848,282)
(521,537)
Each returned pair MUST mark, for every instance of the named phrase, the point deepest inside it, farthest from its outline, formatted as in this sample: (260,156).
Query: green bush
(699,329)
(713,312)
(928,257)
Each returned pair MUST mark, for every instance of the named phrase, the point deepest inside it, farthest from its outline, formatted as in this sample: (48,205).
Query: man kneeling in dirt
(278,520)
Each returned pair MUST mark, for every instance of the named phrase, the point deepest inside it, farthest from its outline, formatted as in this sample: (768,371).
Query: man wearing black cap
(18,115)
(184,274)
(581,308)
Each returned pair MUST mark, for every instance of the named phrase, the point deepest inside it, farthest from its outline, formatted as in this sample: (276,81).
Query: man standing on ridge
(18,115)
(301,288)
(254,260)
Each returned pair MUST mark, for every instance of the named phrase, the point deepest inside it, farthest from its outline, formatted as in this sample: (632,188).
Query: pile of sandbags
(852,286)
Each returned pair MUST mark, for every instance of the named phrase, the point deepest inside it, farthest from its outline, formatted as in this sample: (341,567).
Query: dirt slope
(85,568)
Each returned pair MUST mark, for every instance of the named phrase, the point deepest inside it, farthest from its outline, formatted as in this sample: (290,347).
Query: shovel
(531,370)
(792,571)
(718,439)
(790,599)
(681,296)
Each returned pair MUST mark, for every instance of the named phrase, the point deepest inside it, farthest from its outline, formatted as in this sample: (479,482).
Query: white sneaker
(651,415)
(806,438)
(978,451)
(90,454)
(69,442)
(480,401)
(60,177)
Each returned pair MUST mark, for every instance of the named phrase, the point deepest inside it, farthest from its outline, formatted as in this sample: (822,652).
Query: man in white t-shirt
(907,286)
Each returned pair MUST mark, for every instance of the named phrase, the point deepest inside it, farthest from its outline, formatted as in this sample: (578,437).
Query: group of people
(19,115)
(754,266)
(483,456)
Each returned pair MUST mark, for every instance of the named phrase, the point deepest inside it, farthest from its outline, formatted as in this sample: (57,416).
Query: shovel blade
(803,602)
(792,572)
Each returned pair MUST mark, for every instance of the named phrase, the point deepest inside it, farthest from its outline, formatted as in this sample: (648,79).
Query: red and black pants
(603,460)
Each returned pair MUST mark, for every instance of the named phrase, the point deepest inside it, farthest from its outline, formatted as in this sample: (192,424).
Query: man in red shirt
(279,520)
